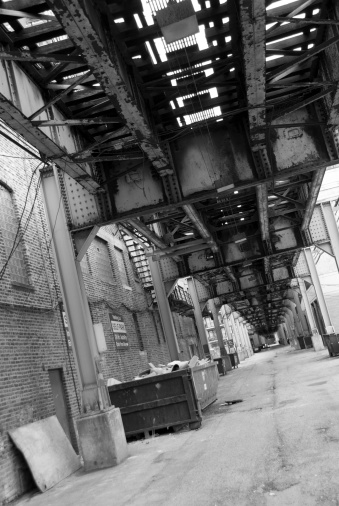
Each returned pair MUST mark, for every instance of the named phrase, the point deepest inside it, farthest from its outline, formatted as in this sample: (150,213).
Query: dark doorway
(55,378)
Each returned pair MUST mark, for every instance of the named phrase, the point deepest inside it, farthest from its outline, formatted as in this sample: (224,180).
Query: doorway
(58,391)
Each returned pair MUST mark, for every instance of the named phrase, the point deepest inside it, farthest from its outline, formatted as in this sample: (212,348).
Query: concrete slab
(47,450)
(278,447)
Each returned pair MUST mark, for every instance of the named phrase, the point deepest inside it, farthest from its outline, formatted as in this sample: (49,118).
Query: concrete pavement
(280,446)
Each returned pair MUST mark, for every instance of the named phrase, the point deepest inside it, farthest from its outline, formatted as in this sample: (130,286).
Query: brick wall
(32,337)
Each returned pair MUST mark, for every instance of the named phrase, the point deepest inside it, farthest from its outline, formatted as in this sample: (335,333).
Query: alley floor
(280,446)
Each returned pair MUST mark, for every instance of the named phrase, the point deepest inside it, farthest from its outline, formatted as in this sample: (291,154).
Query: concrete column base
(102,440)
(241,356)
(317,342)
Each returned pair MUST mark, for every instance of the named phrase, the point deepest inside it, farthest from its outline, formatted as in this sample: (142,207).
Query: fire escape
(136,243)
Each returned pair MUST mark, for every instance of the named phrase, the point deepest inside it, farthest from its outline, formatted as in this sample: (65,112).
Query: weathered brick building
(36,356)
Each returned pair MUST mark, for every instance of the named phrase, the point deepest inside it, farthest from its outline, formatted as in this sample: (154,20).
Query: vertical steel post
(247,337)
(318,290)
(71,291)
(217,327)
(332,229)
(164,309)
(198,316)
(316,338)
(300,312)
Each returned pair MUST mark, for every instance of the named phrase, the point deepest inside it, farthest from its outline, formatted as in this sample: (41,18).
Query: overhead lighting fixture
(239,205)
(177,21)
(242,219)
(240,240)
(236,191)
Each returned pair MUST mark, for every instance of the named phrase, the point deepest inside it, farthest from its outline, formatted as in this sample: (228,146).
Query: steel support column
(332,229)
(237,337)
(217,327)
(248,339)
(318,290)
(164,310)
(301,314)
(198,316)
(82,332)
(316,338)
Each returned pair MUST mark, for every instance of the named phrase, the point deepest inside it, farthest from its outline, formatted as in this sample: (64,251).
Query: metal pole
(164,310)
(236,337)
(248,339)
(319,291)
(71,291)
(198,316)
(316,338)
(300,312)
(217,327)
(332,229)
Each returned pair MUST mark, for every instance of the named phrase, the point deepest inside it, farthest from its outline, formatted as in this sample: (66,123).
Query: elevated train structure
(210,150)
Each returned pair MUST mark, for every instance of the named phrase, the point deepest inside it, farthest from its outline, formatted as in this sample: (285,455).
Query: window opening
(9,225)
(119,254)
(103,261)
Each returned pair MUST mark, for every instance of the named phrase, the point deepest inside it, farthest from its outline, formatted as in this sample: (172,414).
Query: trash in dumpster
(175,365)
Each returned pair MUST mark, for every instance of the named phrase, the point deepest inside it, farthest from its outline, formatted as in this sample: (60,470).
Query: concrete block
(317,342)
(102,440)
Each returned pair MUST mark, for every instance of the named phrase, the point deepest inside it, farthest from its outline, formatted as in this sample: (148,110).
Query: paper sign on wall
(119,331)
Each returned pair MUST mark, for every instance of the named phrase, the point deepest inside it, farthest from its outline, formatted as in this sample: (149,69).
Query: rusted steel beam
(253,27)
(39,58)
(286,69)
(302,21)
(279,113)
(262,205)
(60,95)
(16,120)
(28,15)
(73,122)
(83,31)
(312,198)
(193,215)
(333,117)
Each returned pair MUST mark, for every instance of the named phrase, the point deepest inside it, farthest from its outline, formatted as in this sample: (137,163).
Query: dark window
(11,238)
(119,254)
(102,261)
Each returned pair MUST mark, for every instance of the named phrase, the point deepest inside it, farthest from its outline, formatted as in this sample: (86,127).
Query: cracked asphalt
(280,446)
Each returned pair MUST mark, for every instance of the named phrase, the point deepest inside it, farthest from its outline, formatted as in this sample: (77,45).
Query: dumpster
(205,378)
(332,343)
(224,364)
(165,400)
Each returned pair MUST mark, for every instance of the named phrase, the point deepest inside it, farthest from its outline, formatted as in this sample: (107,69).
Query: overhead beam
(284,70)
(312,199)
(73,122)
(193,215)
(298,21)
(82,29)
(298,105)
(253,27)
(16,120)
(60,95)
(295,11)
(28,15)
(39,58)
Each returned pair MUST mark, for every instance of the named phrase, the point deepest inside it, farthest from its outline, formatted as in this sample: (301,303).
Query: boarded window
(119,254)
(11,239)
(102,261)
